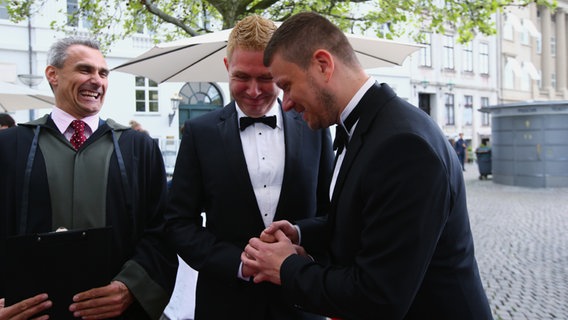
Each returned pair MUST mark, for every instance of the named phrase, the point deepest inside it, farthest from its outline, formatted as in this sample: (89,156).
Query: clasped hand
(264,255)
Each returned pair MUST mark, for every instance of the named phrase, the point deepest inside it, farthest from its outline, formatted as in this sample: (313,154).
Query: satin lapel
(229,132)
(293,146)
(371,103)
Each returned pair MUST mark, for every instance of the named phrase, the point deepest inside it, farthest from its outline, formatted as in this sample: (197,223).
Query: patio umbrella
(14,97)
(200,58)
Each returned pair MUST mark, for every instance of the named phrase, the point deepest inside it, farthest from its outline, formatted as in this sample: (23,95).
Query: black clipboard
(60,264)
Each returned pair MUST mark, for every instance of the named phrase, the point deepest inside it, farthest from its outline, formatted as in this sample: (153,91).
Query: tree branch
(262,5)
(168,18)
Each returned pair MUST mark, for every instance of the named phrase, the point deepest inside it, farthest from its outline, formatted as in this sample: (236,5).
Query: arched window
(198,98)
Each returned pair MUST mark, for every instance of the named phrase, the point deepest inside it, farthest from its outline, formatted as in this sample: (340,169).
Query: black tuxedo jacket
(398,230)
(211,176)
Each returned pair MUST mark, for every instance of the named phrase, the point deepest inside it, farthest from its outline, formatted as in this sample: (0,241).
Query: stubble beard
(326,101)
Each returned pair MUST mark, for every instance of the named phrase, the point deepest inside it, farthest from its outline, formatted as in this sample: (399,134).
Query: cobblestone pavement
(521,239)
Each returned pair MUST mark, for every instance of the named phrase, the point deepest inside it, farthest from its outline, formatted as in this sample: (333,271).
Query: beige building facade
(533,49)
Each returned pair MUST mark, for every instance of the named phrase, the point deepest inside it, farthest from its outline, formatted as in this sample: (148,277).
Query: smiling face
(80,85)
(250,82)
(305,92)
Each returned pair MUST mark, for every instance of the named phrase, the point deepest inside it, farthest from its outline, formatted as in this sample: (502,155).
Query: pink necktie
(78,137)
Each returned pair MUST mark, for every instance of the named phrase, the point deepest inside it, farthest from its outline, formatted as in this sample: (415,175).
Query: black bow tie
(247,121)
(342,133)
(341,139)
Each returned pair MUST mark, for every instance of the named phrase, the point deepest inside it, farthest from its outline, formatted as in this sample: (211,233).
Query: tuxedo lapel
(230,136)
(371,103)
(293,146)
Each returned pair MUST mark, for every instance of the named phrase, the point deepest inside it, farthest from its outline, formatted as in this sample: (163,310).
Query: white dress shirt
(350,106)
(264,152)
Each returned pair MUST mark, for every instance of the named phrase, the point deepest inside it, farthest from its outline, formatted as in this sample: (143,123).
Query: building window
(509,79)
(3,10)
(141,27)
(146,95)
(508,31)
(509,73)
(525,37)
(468,57)
(448,52)
(553,46)
(72,7)
(484,58)
(198,99)
(385,29)
(202,93)
(426,52)
(525,81)
(75,18)
(553,80)
(485,116)
(468,110)
(450,119)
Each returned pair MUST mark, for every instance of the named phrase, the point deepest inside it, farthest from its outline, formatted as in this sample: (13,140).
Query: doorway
(424,102)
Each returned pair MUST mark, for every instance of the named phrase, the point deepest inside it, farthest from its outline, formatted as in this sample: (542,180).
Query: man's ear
(51,75)
(226,61)
(324,62)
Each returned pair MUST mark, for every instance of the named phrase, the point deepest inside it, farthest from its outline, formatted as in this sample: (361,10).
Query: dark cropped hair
(57,54)
(6,120)
(302,34)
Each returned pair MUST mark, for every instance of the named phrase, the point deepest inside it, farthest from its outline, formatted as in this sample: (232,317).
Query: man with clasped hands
(398,230)
(244,166)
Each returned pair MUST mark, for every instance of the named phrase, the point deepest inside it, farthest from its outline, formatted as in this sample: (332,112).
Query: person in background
(398,230)
(244,166)
(135,125)
(461,148)
(122,170)
(6,121)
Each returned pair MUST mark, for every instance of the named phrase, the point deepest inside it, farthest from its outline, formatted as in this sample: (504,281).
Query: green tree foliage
(112,20)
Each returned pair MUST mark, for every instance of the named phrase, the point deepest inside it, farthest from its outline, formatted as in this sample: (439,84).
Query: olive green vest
(77,179)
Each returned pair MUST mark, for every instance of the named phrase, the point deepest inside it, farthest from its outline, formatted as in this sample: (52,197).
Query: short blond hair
(251,33)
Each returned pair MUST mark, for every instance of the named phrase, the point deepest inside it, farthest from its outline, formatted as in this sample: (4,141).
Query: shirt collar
(356,98)
(63,119)
(273,111)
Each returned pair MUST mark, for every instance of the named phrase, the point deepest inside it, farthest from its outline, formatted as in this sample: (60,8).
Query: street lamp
(175,99)
(450,85)
(31,80)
